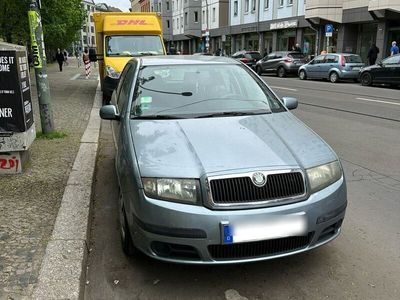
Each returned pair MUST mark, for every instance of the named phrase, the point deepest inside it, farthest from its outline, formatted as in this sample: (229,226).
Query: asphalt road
(363,126)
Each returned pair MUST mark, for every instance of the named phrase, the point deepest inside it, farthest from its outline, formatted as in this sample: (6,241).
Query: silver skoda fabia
(213,168)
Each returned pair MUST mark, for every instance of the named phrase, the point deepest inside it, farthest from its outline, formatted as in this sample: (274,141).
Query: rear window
(255,55)
(352,59)
(296,55)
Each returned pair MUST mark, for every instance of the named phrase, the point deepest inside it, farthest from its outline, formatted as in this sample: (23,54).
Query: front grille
(259,248)
(242,189)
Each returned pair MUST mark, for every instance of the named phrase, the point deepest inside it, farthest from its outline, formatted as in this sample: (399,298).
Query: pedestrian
(218,53)
(86,62)
(60,59)
(323,52)
(395,49)
(65,53)
(297,48)
(372,54)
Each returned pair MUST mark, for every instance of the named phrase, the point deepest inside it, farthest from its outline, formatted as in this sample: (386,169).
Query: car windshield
(254,55)
(133,45)
(200,91)
(352,59)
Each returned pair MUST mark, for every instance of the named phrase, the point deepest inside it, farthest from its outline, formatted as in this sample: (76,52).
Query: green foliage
(51,136)
(61,20)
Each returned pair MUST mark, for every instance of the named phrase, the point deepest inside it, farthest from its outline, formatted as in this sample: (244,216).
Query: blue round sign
(328,28)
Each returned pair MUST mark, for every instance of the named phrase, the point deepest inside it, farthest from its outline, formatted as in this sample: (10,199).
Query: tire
(126,238)
(366,79)
(302,75)
(281,72)
(259,70)
(333,77)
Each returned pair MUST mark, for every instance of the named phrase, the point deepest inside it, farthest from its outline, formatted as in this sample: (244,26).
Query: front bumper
(110,84)
(182,233)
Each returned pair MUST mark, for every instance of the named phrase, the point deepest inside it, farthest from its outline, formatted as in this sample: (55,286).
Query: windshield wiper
(234,113)
(157,117)
(146,53)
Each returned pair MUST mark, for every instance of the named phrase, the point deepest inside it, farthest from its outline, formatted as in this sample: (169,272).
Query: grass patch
(51,136)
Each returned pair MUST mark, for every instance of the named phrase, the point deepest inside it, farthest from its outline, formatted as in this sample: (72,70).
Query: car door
(275,62)
(266,64)
(331,62)
(314,66)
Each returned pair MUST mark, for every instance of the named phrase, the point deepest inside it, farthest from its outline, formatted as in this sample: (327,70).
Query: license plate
(268,228)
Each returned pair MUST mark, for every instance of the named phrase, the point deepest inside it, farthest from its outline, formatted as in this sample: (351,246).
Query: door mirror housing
(290,102)
(109,112)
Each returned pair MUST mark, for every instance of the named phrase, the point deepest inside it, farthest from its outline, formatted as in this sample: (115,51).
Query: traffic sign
(328,30)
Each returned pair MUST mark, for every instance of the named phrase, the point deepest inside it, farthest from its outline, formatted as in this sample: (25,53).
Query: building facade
(87,35)
(135,5)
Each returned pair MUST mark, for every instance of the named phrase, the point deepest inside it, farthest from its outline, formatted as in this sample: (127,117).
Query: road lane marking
(75,77)
(379,101)
(283,88)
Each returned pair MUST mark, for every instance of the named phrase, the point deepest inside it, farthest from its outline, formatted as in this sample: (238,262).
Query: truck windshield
(133,45)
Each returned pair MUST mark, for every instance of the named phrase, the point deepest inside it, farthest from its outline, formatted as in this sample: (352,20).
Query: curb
(62,273)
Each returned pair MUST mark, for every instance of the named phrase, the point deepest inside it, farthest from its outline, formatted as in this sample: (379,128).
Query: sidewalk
(29,202)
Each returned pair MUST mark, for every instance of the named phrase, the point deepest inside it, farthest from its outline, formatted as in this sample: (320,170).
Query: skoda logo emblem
(259,179)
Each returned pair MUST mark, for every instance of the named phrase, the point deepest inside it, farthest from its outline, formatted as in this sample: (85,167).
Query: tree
(61,19)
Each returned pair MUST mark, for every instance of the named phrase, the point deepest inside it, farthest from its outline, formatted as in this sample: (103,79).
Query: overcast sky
(124,5)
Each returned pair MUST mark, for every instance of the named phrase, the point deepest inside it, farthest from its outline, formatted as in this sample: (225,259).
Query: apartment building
(87,36)
(165,8)
(135,5)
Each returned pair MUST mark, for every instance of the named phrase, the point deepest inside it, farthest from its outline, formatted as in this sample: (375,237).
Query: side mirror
(109,112)
(290,102)
(92,55)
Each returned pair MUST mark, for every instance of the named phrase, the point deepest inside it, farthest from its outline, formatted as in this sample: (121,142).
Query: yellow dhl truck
(121,36)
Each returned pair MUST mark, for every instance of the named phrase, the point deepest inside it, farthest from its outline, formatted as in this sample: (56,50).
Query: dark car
(387,71)
(281,63)
(249,58)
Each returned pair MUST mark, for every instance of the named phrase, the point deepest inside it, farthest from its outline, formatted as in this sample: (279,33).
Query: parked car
(281,63)
(332,66)
(213,168)
(202,53)
(387,71)
(249,58)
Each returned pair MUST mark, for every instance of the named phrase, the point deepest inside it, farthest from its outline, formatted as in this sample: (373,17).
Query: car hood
(191,148)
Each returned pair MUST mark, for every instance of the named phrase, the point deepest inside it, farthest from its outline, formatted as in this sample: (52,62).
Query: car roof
(186,60)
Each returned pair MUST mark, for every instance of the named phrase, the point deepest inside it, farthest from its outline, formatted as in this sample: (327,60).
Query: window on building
(253,5)
(204,17)
(186,18)
(91,19)
(167,3)
(246,6)
(266,4)
(159,6)
(280,2)
(84,28)
(177,23)
(167,23)
(93,42)
(152,8)
(85,40)
(196,16)
(92,29)
(88,8)
(235,8)
(290,2)
(213,16)
(182,22)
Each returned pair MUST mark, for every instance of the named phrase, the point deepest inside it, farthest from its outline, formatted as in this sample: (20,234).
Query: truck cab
(121,36)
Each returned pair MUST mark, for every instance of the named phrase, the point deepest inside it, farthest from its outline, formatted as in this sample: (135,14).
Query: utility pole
(40,66)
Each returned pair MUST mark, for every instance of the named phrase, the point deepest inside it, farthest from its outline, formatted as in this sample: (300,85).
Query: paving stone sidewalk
(29,202)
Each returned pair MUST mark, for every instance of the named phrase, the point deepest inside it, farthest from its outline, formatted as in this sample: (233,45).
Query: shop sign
(283,25)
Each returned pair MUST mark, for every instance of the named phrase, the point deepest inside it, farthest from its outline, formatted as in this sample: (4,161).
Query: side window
(394,60)
(319,60)
(126,85)
(331,59)
(271,56)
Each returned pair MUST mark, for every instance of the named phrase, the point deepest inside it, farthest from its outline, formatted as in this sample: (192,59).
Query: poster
(16,113)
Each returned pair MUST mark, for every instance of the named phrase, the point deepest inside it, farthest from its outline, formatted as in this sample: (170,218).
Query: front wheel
(334,77)
(281,72)
(366,79)
(126,239)
(302,75)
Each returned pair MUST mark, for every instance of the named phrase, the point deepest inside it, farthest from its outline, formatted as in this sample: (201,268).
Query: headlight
(110,71)
(322,176)
(179,190)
